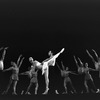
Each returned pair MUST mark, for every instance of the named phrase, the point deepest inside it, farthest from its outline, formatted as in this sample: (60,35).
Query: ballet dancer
(32,73)
(44,66)
(65,73)
(79,67)
(89,79)
(96,63)
(14,77)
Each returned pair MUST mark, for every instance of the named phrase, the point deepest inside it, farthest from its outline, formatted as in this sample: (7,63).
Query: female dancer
(96,63)
(65,73)
(44,66)
(89,79)
(14,77)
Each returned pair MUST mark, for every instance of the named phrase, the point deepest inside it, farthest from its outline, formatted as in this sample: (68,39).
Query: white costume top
(1,65)
(51,62)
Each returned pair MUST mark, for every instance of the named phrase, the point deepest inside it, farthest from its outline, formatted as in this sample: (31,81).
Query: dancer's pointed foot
(46,91)
(98,91)
(56,92)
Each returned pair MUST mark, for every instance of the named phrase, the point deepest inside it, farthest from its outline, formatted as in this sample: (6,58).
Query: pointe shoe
(46,92)
(56,92)
(98,91)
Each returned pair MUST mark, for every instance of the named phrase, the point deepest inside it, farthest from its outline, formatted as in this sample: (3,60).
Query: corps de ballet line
(82,68)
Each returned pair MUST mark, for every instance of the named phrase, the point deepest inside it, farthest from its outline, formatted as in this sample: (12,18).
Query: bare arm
(58,66)
(90,56)
(8,69)
(25,73)
(95,54)
(80,61)
(18,59)
(21,62)
(62,65)
(76,62)
(72,73)
(4,53)
(91,69)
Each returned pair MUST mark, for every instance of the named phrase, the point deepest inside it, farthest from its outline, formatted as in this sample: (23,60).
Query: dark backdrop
(33,27)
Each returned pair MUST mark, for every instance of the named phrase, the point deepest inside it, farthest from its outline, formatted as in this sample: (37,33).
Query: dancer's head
(13,64)
(31,59)
(86,65)
(50,53)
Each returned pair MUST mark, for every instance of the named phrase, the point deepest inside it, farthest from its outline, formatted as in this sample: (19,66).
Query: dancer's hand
(62,50)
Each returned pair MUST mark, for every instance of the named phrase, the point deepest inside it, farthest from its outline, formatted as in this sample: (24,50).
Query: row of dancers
(44,67)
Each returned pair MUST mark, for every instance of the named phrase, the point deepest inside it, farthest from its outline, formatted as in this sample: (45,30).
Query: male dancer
(32,73)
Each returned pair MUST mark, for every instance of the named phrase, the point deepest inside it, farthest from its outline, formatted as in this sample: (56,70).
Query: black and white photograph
(49,49)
